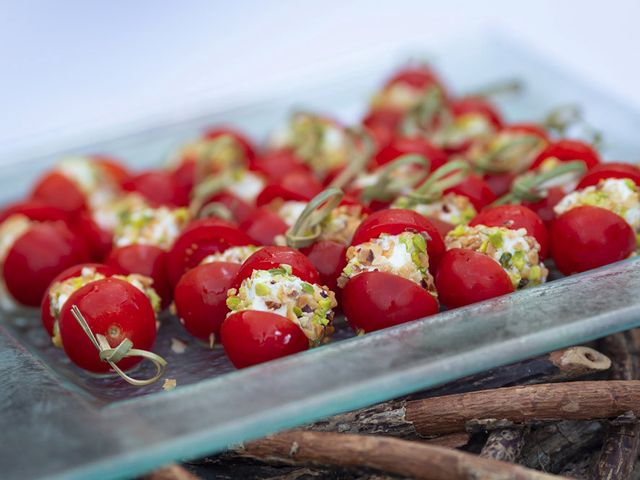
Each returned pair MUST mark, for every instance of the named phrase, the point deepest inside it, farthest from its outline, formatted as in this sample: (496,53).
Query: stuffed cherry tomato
(141,242)
(568,150)
(76,184)
(281,280)
(251,337)
(396,221)
(619,195)
(33,253)
(517,252)
(198,240)
(200,298)
(466,276)
(113,308)
(36,211)
(277,163)
(587,237)
(407,89)
(515,217)
(63,286)
(610,170)
(410,145)
(158,187)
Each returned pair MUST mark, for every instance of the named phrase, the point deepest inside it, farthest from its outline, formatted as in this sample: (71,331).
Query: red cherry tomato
(75,271)
(201,238)
(250,337)
(113,308)
(527,128)
(147,260)
(272,257)
(329,258)
(263,226)
(59,191)
(277,163)
(500,183)
(588,237)
(406,145)
(419,77)
(245,144)
(514,217)
(297,185)
(610,170)
(98,241)
(476,190)
(184,177)
(158,187)
(465,277)
(376,300)
(240,210)
(544,208)
(35,210)
(37,256)
(397,220)
(566,151)
(113,167)
(383,124)
(200,297)
(479,106)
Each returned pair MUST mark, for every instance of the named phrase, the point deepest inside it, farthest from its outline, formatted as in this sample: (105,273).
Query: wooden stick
(388,418)
(386,454)
(516,405)
(559,366)
(622,441)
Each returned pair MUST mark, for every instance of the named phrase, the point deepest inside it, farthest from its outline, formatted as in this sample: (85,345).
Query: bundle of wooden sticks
(571,413)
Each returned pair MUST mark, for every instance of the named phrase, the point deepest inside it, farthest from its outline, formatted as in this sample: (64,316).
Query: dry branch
(386,454)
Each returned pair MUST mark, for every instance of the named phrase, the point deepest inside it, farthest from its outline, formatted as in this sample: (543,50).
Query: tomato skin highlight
(200,297)
(376,300)
(113,308)
(201,238)
(397,220)
(609,170)
(272,257)
(465,277)
(589,237)
(514,217)
(250,337)
(75,271)
(37,256)
(147,260)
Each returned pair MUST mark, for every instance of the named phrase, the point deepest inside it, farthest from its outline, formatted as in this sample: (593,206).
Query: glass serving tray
(58,422)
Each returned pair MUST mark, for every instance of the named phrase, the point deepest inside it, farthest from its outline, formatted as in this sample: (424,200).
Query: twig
(503,407)
(388,418)
(569,364)
(622,441)
(391,455)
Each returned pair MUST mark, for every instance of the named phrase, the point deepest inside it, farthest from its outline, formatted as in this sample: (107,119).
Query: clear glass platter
(58,422)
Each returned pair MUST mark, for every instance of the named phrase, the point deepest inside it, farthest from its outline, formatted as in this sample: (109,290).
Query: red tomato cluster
(440,202)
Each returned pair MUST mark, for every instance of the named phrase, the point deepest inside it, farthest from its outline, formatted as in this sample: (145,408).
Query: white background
(69,66)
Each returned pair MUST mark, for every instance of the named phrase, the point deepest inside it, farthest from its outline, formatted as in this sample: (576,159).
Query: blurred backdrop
(72,66)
